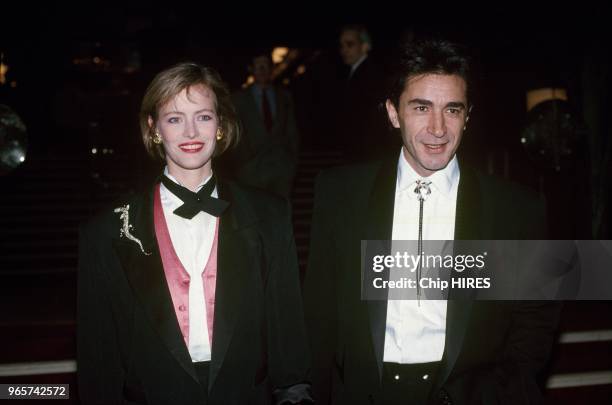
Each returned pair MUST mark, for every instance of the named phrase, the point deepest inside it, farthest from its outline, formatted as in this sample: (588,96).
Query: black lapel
(467,227)
(247,105)
(469,206)
(379,226)
(237,249)
(252,103)
(146,276)
(279,113)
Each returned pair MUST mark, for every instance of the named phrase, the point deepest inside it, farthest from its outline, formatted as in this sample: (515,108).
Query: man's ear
(365,48)
(392,114)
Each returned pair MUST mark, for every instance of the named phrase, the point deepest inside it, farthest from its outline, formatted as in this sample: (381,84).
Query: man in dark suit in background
(430,351)
(266,156)
(360,126)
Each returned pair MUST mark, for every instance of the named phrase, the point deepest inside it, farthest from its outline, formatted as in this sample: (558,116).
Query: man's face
(351,47)
(431,116)
(262,70)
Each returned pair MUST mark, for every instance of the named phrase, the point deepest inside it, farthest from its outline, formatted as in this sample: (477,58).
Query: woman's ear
(151,123)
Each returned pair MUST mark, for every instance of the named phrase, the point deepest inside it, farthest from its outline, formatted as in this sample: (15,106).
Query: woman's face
(188,126)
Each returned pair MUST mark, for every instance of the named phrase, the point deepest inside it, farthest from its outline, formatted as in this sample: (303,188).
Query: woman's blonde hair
(170,82)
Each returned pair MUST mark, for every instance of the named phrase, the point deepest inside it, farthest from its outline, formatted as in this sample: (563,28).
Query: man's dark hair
(429,57)
(361,30)
(261,52)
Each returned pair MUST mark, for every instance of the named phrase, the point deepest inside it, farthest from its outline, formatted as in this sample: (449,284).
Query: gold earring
(157,139)
(219,134)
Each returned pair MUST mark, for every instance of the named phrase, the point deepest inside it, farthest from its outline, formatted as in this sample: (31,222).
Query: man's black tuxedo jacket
(129,345)
(361,122)
(265,159)
(493,350)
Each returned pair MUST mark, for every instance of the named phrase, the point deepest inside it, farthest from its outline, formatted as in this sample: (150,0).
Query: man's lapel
(378,225)
(469,206)
(467,227)
(145,272)
(252,105)
(280,111)
(238,247)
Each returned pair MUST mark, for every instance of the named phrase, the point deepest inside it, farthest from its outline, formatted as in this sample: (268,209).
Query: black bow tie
(196,202)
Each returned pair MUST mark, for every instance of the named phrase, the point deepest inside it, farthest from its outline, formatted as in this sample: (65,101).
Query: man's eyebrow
(451,104)
(420,101)
(456,104)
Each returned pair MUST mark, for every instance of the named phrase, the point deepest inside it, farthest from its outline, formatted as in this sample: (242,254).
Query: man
(415,352)
(360,124)
(355,44)
(266,156)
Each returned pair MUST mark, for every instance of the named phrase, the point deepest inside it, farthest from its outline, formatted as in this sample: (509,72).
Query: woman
(189,292)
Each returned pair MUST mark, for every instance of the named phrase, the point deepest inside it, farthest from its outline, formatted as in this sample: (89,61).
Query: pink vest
(178,278)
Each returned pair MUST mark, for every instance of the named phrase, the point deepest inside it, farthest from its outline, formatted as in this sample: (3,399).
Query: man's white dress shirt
(415,330)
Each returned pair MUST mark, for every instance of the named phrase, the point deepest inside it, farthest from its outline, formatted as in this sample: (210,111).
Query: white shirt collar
(171,177)
(355,65)
(444,180)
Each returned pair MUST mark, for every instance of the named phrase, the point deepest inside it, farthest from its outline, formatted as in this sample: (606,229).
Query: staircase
(42,204)
(310,165)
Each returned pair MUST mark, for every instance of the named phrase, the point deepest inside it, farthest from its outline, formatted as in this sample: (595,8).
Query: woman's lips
(191,147)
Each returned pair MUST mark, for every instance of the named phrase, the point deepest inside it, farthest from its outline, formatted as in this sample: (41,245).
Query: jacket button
(182,307)
(444,398)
